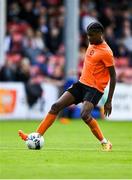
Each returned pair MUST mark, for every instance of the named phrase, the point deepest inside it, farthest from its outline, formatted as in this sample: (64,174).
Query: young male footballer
(97,70)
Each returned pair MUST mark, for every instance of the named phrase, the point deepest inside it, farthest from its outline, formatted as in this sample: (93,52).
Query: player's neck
(99,41)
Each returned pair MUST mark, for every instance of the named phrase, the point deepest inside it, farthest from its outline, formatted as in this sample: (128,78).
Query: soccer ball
(35,141)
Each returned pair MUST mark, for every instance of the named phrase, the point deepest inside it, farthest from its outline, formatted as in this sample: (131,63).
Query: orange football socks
(95,129)
(46,123)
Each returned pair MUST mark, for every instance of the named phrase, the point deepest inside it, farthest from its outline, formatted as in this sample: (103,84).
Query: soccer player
(97,70)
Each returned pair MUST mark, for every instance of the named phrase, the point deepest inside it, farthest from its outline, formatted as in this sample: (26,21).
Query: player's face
(94,37)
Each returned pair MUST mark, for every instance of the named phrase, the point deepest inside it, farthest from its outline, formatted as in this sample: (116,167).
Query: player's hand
(107,108)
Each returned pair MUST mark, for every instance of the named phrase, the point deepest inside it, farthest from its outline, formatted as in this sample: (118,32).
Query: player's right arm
(108,104)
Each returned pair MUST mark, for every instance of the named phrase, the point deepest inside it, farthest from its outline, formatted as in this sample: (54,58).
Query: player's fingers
(109,111)
(105,112)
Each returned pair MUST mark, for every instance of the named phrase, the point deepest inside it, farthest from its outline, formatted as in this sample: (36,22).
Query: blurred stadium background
(43,43)
(42,47)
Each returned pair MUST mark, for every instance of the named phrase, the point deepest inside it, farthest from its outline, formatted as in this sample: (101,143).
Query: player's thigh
(92,95)
(77,92)
(90,100)
(66,99)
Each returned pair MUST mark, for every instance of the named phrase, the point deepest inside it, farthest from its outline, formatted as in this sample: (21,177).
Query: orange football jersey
(95,68)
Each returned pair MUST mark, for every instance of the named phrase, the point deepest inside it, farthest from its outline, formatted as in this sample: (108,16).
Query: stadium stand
(34,42)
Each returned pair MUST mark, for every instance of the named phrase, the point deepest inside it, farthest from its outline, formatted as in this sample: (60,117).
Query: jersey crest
(91,52)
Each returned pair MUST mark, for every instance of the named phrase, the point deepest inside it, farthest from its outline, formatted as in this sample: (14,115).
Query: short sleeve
(108,59)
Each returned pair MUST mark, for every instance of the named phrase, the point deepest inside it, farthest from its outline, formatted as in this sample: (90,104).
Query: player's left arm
(108,104)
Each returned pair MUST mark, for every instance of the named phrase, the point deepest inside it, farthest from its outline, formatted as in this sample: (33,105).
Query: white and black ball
(35,141)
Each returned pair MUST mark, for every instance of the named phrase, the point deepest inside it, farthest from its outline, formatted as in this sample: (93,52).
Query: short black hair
(95,27)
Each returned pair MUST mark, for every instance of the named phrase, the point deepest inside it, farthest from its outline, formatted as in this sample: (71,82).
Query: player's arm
(108,104)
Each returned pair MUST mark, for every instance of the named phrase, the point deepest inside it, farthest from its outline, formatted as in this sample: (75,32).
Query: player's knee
(85,115)
(55,108)
(86,111)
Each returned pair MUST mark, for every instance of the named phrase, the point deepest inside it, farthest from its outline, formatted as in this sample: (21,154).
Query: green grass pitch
(70,152)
